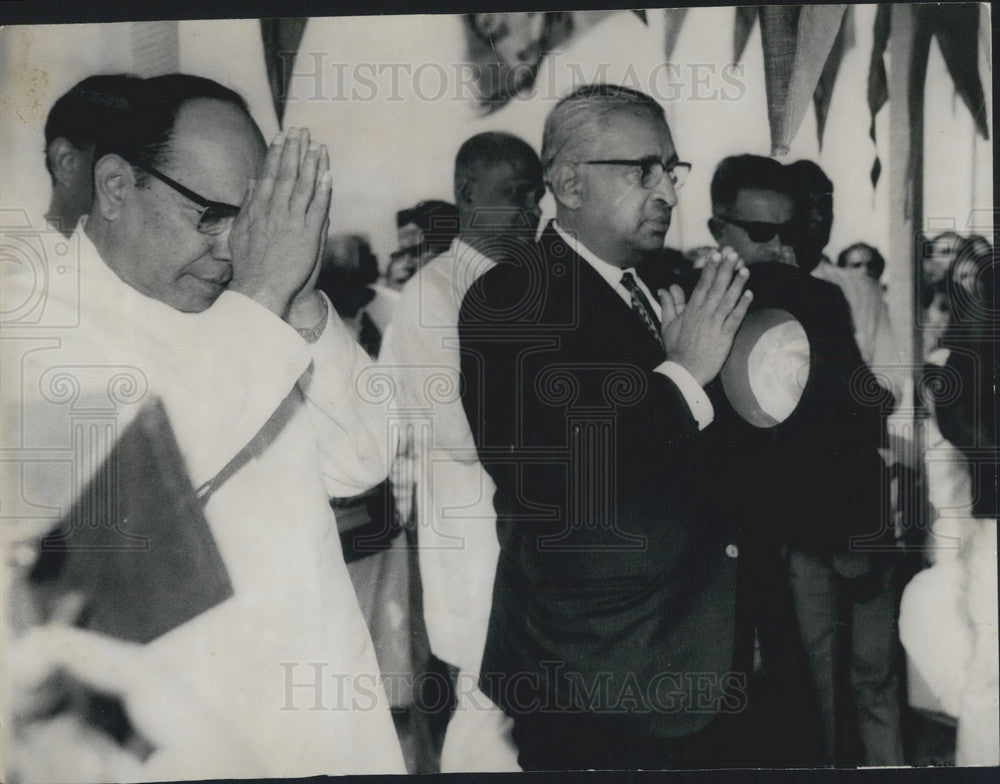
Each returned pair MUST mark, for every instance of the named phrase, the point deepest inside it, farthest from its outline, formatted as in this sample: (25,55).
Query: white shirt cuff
(694,395)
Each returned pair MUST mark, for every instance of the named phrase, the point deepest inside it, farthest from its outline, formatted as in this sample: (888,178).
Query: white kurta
(456,522)
(269,427)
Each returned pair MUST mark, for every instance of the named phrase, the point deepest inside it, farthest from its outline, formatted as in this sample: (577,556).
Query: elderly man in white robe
(211,307)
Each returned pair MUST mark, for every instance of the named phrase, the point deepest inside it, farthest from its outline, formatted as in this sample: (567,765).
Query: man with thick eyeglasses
(612,640)
(212,308)
(216,216)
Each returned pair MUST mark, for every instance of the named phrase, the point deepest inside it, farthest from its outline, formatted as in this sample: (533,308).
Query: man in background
(422,231)
(813,482)
(89,109)
(864,257)
(498,186)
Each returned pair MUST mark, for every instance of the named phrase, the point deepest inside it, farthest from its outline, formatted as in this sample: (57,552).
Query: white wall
(393,125)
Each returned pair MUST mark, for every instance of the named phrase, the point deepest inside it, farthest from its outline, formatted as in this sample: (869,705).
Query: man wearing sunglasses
(198,267)
(753,209)
(812,485)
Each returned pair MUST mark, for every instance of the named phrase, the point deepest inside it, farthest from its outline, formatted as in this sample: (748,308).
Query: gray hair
(575,124)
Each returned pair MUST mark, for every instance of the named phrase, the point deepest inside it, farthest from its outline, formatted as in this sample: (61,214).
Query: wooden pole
(905,182)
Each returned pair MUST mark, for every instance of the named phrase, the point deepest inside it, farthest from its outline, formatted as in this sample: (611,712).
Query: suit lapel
(601,310)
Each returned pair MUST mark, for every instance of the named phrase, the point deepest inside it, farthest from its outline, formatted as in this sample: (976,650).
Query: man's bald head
(498,185)
(189,148)
(147,134)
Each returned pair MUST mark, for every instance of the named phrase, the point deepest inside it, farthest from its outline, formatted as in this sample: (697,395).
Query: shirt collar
(611,274)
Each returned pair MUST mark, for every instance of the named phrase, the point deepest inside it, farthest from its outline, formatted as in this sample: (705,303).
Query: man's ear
(715,226)
(564,180)
(114,181)
(66,161)
(464,188)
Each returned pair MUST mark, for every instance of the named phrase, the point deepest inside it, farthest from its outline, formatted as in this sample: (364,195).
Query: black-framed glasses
(216,216)
(761,231)
(652,170)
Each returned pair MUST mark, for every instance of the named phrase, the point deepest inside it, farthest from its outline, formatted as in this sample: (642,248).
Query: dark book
(135,544)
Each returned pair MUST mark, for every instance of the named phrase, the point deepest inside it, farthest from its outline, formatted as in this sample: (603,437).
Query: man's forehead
(630,134)
(762,201)
(218,128)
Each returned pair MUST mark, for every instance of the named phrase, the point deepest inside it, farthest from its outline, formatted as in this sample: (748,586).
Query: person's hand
(176,737)
(276,239)
(698,334)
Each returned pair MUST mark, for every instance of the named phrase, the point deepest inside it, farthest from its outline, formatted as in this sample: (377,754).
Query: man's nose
(666,191)
(220,248)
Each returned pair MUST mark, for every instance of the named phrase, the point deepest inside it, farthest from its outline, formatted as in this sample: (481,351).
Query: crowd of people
(524,498)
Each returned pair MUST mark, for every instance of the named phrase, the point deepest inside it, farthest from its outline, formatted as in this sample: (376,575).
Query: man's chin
(199,296)
(653,236)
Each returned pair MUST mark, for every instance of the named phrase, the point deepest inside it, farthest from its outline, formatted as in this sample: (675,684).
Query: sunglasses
(760,231)
(216,216)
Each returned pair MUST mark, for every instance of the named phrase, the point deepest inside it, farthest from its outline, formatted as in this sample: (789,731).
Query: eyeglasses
(652,170)
(760,231)
(216,216)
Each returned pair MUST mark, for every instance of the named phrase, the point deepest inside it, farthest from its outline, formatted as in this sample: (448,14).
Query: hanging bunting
(281,44)
(797,41)
(824,88)
(777,31)
(674,18)
(878,81)
(746,17)
(956,27)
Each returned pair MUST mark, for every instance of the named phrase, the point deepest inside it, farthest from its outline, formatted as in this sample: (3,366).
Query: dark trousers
(583,742)
(857,618)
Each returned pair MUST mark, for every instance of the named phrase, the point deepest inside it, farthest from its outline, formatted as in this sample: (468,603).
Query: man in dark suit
(612,639)
(812,488)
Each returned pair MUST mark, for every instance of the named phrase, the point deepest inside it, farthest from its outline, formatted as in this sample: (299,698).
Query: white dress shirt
(693,393)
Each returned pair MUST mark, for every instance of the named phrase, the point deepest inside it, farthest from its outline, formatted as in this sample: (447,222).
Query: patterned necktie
(642,308)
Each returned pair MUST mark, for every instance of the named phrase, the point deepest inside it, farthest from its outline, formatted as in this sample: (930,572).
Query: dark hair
(737,172)
(876,262)
(146,133)
(492,147)
(980,305)
(438,220)
(89,109)
(814,201)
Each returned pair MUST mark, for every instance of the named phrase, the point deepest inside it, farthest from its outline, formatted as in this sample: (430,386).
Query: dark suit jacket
(816,479)
(615,593)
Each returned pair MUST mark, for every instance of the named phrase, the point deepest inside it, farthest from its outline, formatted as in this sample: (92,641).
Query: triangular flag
(746,17)
(281,44)
(878,81)
(957,29)
(641,15)
(817,29)
(674,19)
(778,31)
(828,78)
